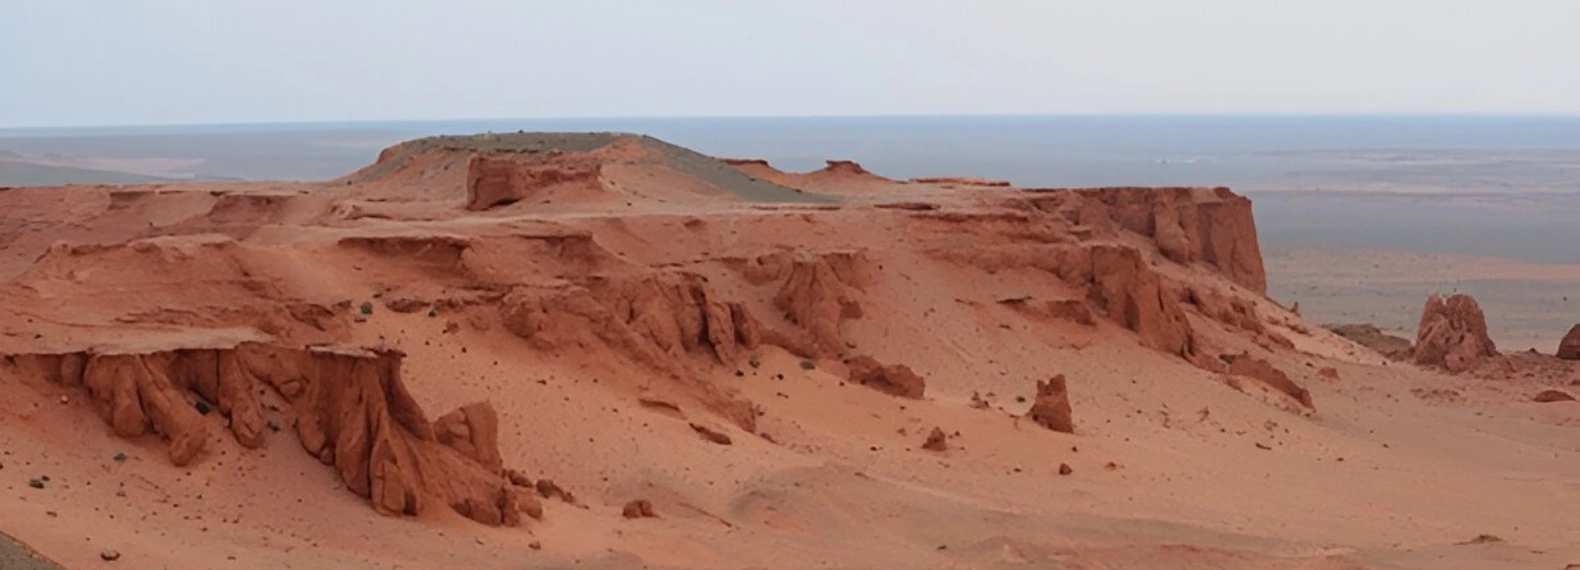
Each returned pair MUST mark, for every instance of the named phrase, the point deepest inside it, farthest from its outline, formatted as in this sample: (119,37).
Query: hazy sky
(103,62)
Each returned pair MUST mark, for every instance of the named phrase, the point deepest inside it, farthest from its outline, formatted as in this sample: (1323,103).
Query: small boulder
(548,490)
(711,434)
(638,509)
(893,379)
(518,478)
(1051,409)
(1547,396)
(936,441)
(109,555)
(1065,469)
(405,304)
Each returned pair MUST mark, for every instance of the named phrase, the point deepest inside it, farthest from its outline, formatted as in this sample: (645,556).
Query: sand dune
(762,361)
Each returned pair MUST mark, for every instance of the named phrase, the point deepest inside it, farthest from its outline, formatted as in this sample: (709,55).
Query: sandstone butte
(607,351)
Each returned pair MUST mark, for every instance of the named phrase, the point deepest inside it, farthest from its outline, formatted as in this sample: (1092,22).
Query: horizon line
(1292,115)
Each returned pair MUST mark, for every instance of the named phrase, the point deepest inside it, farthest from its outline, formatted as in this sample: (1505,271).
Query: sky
(159,62)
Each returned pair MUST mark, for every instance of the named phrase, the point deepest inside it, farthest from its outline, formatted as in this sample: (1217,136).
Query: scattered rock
(638,509)
(548,490)
(1453,334)
(1065,469)
(518,478)
(405,304)
(659,403)
(894,379)
(1051,409)
(109,555)
(1248,366)
(529,505)
(937,440)
(711,434)
(1483,539)
(1547,396)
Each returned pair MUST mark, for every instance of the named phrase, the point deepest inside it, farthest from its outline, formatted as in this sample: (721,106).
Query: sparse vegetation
(433,312)
(35,483)
(203,407)
(367,307)
(808,365)
(120,457)
(754,361)
(272,425)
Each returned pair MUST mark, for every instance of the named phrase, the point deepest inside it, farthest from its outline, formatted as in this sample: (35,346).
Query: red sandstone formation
(668,322)
(1210,225)
(817,294)
(847,169)
(1453,334)
(1247,366)
(1051,408)
(1133,295)
(351,411)
(1569,347)
(893,379)
(493,182)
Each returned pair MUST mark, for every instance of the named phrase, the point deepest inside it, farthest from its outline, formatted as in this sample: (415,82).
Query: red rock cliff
(1214,226)
(350,410)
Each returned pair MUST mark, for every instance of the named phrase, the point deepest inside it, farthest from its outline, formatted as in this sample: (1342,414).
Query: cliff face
(349,409)
(492,182)
(1209,225)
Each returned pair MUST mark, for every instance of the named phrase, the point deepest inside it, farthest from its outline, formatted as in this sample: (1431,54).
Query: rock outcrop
(1569,347)
(350,408)
(494,181)
(670,322)
(1214,226)
(1051,408)
(1247,366)
(1133,295)
(1453,334)
(817,293)
(1369,336)
(893,379)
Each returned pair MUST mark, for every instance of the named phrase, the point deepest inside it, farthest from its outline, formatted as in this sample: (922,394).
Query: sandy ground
(1169,466)
(1529,305)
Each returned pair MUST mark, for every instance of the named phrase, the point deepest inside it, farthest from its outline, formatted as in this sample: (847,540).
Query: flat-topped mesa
(762,162)
(962,181)
(1214,226)
(846,169)
(350,409)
